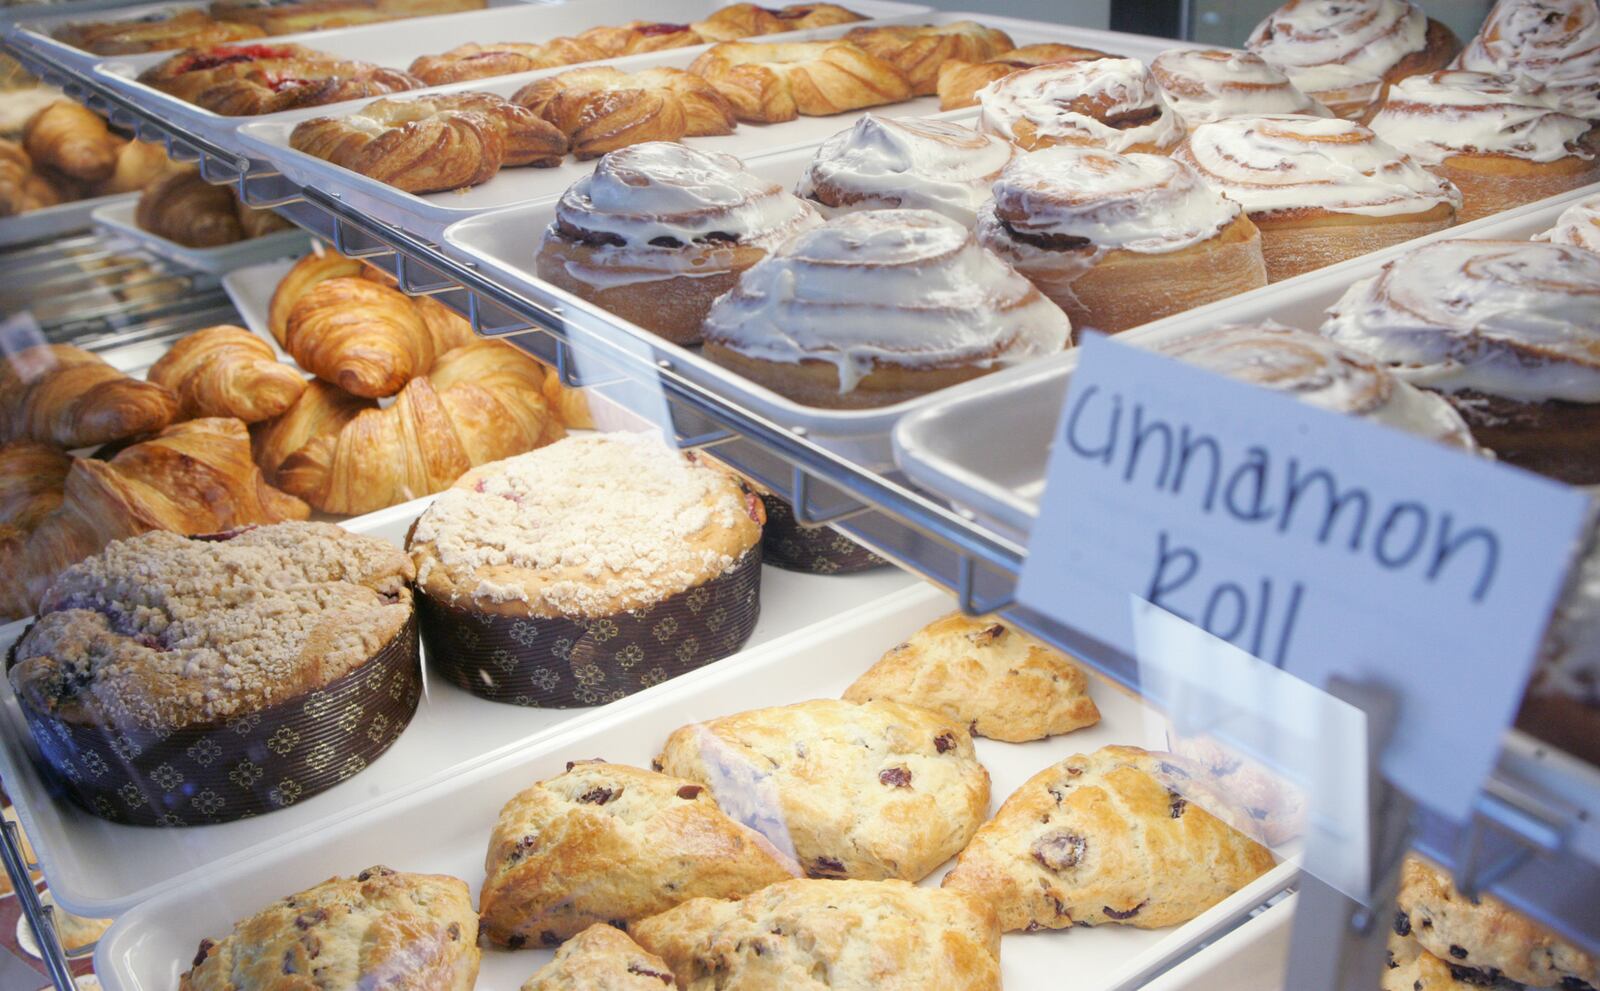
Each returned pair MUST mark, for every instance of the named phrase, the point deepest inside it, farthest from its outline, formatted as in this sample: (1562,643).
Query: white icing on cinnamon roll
(1341,47)
(1578,226)
(1109,103)
(1555,42)
(1434,117)
(1516,319)
(887,162)
(906,288)
(1205,84)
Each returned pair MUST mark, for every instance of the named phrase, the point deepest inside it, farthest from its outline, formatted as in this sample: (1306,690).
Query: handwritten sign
(1318,542)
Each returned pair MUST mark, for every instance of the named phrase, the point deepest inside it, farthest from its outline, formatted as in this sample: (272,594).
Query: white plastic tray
(987,448)
(445,828)
(117,218)
(250,290)
(54,221)
(99,869)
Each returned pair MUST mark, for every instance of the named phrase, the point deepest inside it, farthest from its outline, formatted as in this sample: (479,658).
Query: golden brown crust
(602,109)
(921,52)
(63,395)
(638,37)
(185,209)
(73,140)
(322,408)
(1492,183)
(959,79)
(363,337)
(176,29)
(480,61)
(139,163)
(1313,239)
(246,80)
(227,371)
(316,267)
(744,20)
(317,15)
(601,958)
(774,82)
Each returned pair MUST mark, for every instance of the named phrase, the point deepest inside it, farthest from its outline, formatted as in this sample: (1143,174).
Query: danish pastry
(959,80)
(160,31)
(744,20)
(475,61)
(603,109)
(774,82)
(298,16)
(638,37)
(246,80)
(919,52)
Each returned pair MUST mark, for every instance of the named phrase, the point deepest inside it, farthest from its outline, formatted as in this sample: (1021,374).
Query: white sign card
(1318,542)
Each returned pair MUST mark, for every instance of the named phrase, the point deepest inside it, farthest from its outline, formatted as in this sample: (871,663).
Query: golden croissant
(322,408)
(15,168)
(363,337)
(227,371)
(73,140)
(316,267)
(183,208)
(63,395)
(139,163)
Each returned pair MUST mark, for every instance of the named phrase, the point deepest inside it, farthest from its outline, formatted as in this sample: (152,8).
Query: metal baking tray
(118,219)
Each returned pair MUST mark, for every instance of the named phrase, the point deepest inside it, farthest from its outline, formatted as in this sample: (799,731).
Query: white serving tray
(54,221)
(117,219)
(445,828)
(100,869)
(250,290)
(986,449)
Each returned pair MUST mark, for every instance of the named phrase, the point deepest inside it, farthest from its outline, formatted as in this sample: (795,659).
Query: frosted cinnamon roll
(886,163)
(1554,42)
(1506,331)
(1111,103)
(1206,84)
(1119,240)
(660,230)
(878,307)
(1320,189)
(1578,226)
(960,80)
(1501,139)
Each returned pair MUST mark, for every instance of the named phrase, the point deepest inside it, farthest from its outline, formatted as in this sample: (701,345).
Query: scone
(601,958)
(608,843)
(1408,967)
(1116,836)
(870,791)
(989,675)
(381,928)
(830,936)
(1277,809)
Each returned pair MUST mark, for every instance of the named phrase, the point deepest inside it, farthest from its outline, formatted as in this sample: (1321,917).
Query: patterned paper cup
(818,550)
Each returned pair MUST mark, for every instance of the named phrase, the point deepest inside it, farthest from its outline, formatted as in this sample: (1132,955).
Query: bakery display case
(352,593)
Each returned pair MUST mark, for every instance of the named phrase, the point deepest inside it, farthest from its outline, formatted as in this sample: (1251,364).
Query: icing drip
(1578,225)
(1210,84)
(1448,113)
(1340,46)
(1555,42)
(1109,103)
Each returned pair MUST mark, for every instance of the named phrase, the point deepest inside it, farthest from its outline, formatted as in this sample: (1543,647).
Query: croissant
(602,109)
(227,371)
(484,401)
(138,164)
(448,328)
(15,168)
(316,267)
(62,395)
(193,477)
(571,406)
(769,83)
(363,337)
(321,408)
(182,207)
(920,52)
(73,140)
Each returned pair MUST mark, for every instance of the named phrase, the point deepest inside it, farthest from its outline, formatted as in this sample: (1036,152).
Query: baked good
(919,52)
(830,936)
(379,927)
(1119,240)
(1346,55)
(1111,103)
(960,80)
(138,164)
(319,266)
(601,958)
(77,933)
(768,83)
(182,207)
(479,61)
(869,791)
(888,162)
(602,109)
(1505,331)
(176,27)
(321,409)
(659,230)
(640,37)
(298,16)
(1408,967)
(192,477)
(877,307)
(1552,42)
(15,169)
(1121,835)
(246,80)
(555,850)
(362,336)
(1276,807)
(448,328)
(1320,190)
(743,20)
(1499,141)
(73,140)
(227,371)
(587,570)
(1578,225)
(1206,84)
(63,395)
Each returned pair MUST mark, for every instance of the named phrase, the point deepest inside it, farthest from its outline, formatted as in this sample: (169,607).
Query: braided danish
(639,37)
(475,61)
(745,20)
(156,32)
(774,82)
(959,80)
(920,52)
(247,80)
(602,109)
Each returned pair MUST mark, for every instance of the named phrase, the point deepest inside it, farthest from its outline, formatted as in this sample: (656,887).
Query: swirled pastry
(1578,225)
(1320,189)
(1506,331)
(1345,53)
(877,307)
(603,109)
(1119,240)
(159,31)
(1205,84)
(475,61)
(660,230)
(919,52)
(744,20)
(889,162)
(960,80)
(246,80)
(770,83)
(1554,42)
(1111,103)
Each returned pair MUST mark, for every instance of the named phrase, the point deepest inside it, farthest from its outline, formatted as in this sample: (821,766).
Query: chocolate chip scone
(1411,968)
(869,791)
(601,958)
(997,680)
(1484,940)
(1116,836)
(612,843)
(379,929)
(831,936)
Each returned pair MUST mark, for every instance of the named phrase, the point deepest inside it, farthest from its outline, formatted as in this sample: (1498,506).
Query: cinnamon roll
(659,230)
(1554,42)
(1320,189)
(886,162)
(475,61)
(878,307)
(1506,331)
(1206,84)
(601,109)
(1119,240)
(960,80)
(1500,139)
(919,52)
(1578,226)
(1111,103)
(1345,53)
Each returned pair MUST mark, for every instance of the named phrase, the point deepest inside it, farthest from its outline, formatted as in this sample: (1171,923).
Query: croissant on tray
(139,163)
(15,169)
(182,207)
(364,337)
(322,408)
(227,371)
(316,267)
(63,395)
(601,109)
(73,140)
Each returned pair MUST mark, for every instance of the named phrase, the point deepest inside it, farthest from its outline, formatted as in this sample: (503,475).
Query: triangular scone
(601,958)
(998,681)
(1118,835)
(612,843)
(1411,968)
(831,936)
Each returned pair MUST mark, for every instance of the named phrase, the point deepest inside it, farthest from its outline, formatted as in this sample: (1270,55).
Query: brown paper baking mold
(819,550)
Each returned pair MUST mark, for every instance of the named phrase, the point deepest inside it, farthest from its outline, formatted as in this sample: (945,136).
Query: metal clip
(264,202)
(341,243)
(403,267)
(967,590)
(803,514)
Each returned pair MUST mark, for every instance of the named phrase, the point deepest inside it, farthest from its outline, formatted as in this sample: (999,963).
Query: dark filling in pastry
(1133,118)
(1046,242)
(217,57)
(655,29)
(599,239)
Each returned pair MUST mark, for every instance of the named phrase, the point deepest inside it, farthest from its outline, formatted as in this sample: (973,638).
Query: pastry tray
(99,870)
(117,219)
(987,449)
(54,221)
(445,827)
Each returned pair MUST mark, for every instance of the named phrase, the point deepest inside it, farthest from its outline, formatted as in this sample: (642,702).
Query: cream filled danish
(1119,240)
(887,163)
(1206,84)
(876,307)
(1111,103)
(1554,42)
(659,230)
(1508,331)
(1578,225)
